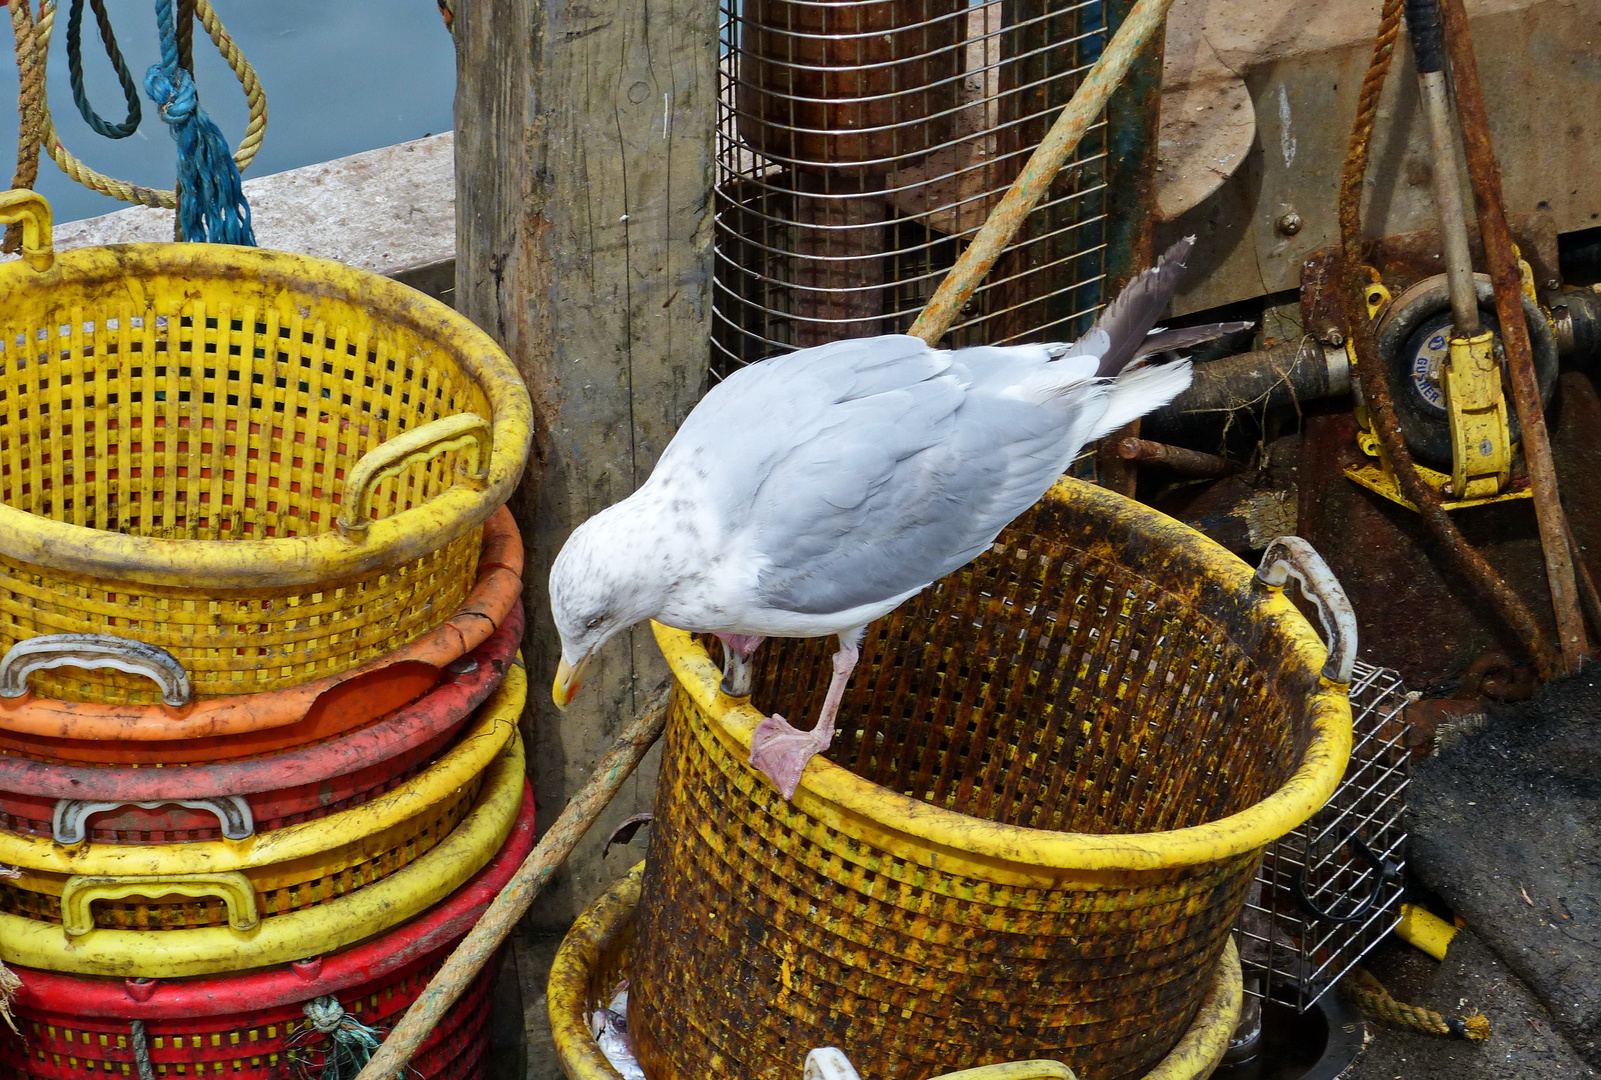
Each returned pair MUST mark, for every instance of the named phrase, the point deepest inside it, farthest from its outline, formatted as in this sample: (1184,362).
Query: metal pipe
(1283,375)
(1423,24)
(1180,460)
(1453,212)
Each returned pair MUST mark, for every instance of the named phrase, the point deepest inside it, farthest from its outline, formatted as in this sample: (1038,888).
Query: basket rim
(284,561)
(281,939)
(840,798)
(425,793)
(446,705)
(496,591)
(598,927)
(303,980)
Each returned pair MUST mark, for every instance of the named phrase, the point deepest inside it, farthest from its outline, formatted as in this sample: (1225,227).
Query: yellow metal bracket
(1481,440)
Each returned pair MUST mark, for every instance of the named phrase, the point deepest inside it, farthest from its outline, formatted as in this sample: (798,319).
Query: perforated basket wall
(168,393)
(1103,671)
(268,1044)
(280,889)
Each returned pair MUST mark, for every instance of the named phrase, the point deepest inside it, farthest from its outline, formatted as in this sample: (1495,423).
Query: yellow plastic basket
(273,467)
(305,932)
(1054,775)
(594,958)
(164,887)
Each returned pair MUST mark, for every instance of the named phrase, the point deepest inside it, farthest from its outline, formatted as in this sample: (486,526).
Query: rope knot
(173,92)
(325,1014)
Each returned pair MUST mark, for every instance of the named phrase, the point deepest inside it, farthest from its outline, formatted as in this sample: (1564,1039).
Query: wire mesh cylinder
(862,143)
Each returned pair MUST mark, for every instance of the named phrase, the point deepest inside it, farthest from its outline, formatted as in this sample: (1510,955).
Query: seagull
(812,492)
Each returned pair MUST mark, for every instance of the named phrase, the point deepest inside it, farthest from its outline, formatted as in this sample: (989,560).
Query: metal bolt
(1290,223)
(1333,337)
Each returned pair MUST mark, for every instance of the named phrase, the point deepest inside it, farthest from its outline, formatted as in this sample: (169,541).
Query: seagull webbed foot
(781,752)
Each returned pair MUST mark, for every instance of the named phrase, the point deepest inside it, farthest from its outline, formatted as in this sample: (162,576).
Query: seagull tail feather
(1185,337)
(1128,320)
(1140,390)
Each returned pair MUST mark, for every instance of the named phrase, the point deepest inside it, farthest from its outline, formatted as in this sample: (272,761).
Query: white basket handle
(410,448)
(1291,557)
(94,651)
(69,823)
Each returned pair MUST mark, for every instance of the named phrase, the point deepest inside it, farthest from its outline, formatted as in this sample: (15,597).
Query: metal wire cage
(862,143)
(1331,889)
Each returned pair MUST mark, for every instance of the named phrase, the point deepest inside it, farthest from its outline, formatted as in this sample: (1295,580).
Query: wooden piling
(584,224)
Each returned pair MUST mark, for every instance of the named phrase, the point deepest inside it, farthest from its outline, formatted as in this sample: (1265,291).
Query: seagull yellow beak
(568,680)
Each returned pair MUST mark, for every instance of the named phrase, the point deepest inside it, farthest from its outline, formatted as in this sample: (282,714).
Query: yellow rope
(255,131)
(30,106)
(1372,998)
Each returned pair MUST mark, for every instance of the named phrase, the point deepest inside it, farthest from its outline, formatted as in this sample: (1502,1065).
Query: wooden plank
(583,180)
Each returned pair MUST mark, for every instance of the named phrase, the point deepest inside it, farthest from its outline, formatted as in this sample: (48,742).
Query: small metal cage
(862,143)
(1329,890)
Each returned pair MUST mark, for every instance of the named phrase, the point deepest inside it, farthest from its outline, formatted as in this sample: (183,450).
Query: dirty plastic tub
(595,956)
(1054,776)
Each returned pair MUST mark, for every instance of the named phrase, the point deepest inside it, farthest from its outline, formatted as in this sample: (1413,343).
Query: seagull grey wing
(904,493)
(762,413)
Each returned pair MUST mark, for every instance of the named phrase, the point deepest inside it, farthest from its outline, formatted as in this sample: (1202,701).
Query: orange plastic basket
(245,724)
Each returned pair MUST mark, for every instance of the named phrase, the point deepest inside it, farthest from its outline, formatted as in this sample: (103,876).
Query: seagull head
(599,586)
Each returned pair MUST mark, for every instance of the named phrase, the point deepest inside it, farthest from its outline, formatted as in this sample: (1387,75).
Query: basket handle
(231,887)
(31,209)
(401,453)
(1041,1069)
(94,651)
(69,823)
(830,1063)
(1292,557)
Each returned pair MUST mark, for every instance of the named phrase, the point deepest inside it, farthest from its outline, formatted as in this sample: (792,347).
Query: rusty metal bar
(1182,461)
(1485,175)
(1144,22)
(463,965)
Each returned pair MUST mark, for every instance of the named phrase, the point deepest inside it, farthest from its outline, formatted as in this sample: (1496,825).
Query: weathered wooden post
(584,222)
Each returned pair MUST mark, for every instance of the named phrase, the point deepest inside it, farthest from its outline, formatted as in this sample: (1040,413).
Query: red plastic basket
(246,1026)
(278,789)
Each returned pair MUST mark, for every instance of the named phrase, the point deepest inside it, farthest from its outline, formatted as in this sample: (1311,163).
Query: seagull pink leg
(781,752)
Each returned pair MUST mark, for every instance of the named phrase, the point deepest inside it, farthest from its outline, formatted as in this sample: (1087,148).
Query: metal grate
(1346,862)
(862,143)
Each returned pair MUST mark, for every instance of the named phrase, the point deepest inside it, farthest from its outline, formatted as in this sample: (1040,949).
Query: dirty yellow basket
(1053,779)
(88,886)
(273,467)
(595,956)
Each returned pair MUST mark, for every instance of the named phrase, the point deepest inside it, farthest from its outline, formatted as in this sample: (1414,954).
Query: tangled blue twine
(211,200)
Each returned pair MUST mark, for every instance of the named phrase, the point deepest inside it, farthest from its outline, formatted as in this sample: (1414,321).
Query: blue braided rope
(211,201)
(130,89)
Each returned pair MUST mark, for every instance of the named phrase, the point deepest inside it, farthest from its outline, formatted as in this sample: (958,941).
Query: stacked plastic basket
(259,685)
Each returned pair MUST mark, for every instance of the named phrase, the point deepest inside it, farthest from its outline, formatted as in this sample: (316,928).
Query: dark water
(341,76)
